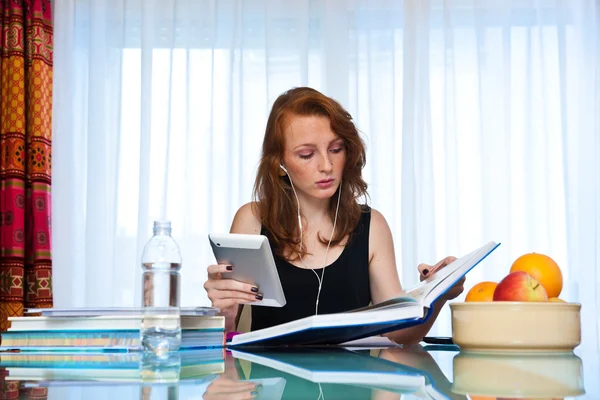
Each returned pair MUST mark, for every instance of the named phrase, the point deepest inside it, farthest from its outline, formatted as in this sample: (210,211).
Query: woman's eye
(337,150)
(305,156)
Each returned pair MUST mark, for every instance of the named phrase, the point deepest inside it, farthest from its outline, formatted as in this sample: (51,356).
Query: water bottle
(160,331)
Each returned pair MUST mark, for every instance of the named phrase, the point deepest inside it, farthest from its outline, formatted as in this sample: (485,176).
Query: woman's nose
(325,164)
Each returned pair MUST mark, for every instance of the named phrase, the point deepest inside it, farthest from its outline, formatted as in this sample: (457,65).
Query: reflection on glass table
(406,373)
(91,375)
(342,373)
(534,376)
(413,372)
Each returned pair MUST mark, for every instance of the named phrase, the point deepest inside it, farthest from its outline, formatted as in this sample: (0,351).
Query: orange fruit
(483,291)
(473,397)
(544,269)
(556,300)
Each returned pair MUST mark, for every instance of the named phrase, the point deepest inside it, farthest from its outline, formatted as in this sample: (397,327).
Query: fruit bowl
(518,376)
(514,326)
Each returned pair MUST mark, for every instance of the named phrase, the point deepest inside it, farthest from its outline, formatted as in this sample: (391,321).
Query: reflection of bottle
(159,377)
(161,260)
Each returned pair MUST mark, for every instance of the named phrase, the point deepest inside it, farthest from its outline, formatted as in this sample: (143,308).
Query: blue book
(331,329)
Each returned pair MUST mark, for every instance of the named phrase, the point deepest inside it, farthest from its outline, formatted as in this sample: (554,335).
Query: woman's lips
(325,183)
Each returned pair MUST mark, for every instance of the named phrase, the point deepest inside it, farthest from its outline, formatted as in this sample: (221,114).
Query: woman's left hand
(426,270)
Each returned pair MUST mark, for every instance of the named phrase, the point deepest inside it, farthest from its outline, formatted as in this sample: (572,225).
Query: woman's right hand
(227,294)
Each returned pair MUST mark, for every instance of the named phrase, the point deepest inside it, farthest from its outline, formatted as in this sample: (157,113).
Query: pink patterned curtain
(25,154)
(26,138)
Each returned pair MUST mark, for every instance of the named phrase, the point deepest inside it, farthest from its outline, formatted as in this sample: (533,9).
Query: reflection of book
(412,309)
(102,332)
(66,369)
(343,367)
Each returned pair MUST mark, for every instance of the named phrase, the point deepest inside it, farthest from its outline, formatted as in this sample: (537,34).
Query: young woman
(332,253)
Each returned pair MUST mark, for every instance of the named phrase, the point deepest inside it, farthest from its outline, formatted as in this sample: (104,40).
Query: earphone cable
(319,279)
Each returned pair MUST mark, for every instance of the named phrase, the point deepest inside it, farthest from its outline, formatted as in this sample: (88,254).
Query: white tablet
(252,262)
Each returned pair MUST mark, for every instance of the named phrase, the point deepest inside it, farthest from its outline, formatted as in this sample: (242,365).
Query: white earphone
(299,219)
(320,279)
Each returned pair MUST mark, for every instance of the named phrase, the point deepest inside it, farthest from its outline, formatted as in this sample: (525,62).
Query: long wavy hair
(273,193)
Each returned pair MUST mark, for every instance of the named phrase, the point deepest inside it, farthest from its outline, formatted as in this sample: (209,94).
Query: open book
(332,329)
(341,368)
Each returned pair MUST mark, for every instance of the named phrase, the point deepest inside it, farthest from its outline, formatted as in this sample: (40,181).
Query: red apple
(520,286)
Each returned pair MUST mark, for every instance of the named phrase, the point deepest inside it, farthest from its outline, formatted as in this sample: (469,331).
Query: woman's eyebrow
(313,145)
(305,144)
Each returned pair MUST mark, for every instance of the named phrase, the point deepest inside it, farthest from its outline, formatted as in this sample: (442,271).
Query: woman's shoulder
(380,235)
(374,215)
(373,219)
(247,219)
(378,223)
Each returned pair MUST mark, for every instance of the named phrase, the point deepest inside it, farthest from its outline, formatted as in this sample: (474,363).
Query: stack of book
(107,329)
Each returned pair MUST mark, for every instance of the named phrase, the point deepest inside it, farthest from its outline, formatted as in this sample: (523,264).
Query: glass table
(381,373)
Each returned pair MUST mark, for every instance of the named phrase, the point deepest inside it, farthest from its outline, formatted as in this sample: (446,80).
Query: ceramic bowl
(505,326)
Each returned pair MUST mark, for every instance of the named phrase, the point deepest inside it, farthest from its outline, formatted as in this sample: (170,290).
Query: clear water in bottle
(160,332)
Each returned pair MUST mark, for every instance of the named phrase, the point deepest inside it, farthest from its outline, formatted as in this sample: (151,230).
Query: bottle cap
(162,224)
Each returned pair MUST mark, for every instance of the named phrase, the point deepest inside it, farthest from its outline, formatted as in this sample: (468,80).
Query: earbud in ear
(283,168)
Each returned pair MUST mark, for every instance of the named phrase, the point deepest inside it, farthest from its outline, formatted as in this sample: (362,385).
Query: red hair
(275,200)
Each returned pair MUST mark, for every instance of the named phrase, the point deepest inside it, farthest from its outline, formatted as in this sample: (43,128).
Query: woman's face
(314,156)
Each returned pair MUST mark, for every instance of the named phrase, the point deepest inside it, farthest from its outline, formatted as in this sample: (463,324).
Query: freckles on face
(314,155)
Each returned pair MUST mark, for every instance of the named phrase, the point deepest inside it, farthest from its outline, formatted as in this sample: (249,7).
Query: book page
(429,290)
(418,294)
(420,291)
(397,302)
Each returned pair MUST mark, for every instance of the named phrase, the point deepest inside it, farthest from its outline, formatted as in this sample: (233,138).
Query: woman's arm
(385,283)
(245,220)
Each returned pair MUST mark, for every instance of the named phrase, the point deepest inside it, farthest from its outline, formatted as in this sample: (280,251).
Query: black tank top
(345,286)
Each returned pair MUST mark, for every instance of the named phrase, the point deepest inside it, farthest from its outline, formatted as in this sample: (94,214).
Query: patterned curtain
(25,153)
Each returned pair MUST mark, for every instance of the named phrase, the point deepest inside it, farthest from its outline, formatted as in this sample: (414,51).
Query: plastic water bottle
(160,332)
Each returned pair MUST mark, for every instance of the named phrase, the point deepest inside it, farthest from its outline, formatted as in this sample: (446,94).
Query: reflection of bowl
(516,326)
(510,375)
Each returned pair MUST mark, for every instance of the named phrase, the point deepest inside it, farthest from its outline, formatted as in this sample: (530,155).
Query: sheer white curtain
(480,119)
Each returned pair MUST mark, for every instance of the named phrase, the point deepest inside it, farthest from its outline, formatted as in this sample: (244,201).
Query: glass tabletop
(381,373)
